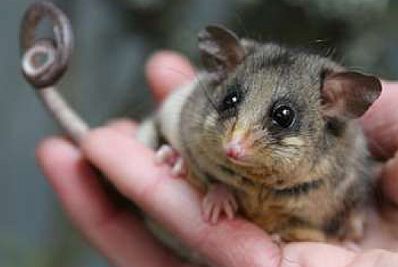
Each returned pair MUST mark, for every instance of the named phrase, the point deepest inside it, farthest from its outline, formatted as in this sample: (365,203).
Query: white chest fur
(170,114)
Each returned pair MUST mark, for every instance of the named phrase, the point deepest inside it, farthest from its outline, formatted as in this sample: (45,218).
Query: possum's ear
(348,94)
(221,50)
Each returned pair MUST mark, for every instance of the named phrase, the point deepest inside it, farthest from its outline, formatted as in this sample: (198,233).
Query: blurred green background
(113,40)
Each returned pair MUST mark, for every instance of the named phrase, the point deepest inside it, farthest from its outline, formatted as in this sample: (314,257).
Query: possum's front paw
(219,199)
(355,230)
(168,155)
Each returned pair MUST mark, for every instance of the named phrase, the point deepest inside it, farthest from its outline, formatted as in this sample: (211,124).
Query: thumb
(166,71)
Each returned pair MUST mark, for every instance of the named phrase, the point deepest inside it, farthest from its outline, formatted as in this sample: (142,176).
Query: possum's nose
(238,146)
(234,150)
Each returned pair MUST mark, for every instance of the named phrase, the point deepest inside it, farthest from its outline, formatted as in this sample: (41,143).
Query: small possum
(272,132)
(265,130)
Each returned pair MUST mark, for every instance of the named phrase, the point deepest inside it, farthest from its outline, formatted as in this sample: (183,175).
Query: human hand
(123,238)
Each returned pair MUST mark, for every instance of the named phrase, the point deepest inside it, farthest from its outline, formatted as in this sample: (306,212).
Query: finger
(124,126)
(315,255)
(389,179)
(131,168)
(116,233)
(380,122)
(375,258)
(166,71)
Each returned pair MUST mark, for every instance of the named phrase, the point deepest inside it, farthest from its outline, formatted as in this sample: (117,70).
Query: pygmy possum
(271,132)
(266,131)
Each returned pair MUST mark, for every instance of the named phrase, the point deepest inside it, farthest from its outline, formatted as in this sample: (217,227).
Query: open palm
(123,238)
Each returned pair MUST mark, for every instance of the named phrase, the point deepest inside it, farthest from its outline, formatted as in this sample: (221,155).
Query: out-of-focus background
(113,40)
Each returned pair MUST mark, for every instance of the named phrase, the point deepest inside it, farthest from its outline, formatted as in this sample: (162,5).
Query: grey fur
(331,145)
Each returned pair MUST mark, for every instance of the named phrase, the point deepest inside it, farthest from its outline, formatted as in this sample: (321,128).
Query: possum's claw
(277,239)
(219,199)
(179,169)
(168,155)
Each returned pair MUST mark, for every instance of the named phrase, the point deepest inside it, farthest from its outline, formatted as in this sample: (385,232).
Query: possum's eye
(283,116)
(231,101)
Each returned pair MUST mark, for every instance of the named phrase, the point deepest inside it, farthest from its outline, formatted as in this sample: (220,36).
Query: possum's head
(275,110)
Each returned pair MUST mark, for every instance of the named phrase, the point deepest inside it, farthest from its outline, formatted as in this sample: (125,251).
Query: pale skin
(122,238)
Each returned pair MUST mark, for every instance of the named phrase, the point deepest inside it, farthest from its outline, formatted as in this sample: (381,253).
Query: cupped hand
(122,237)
